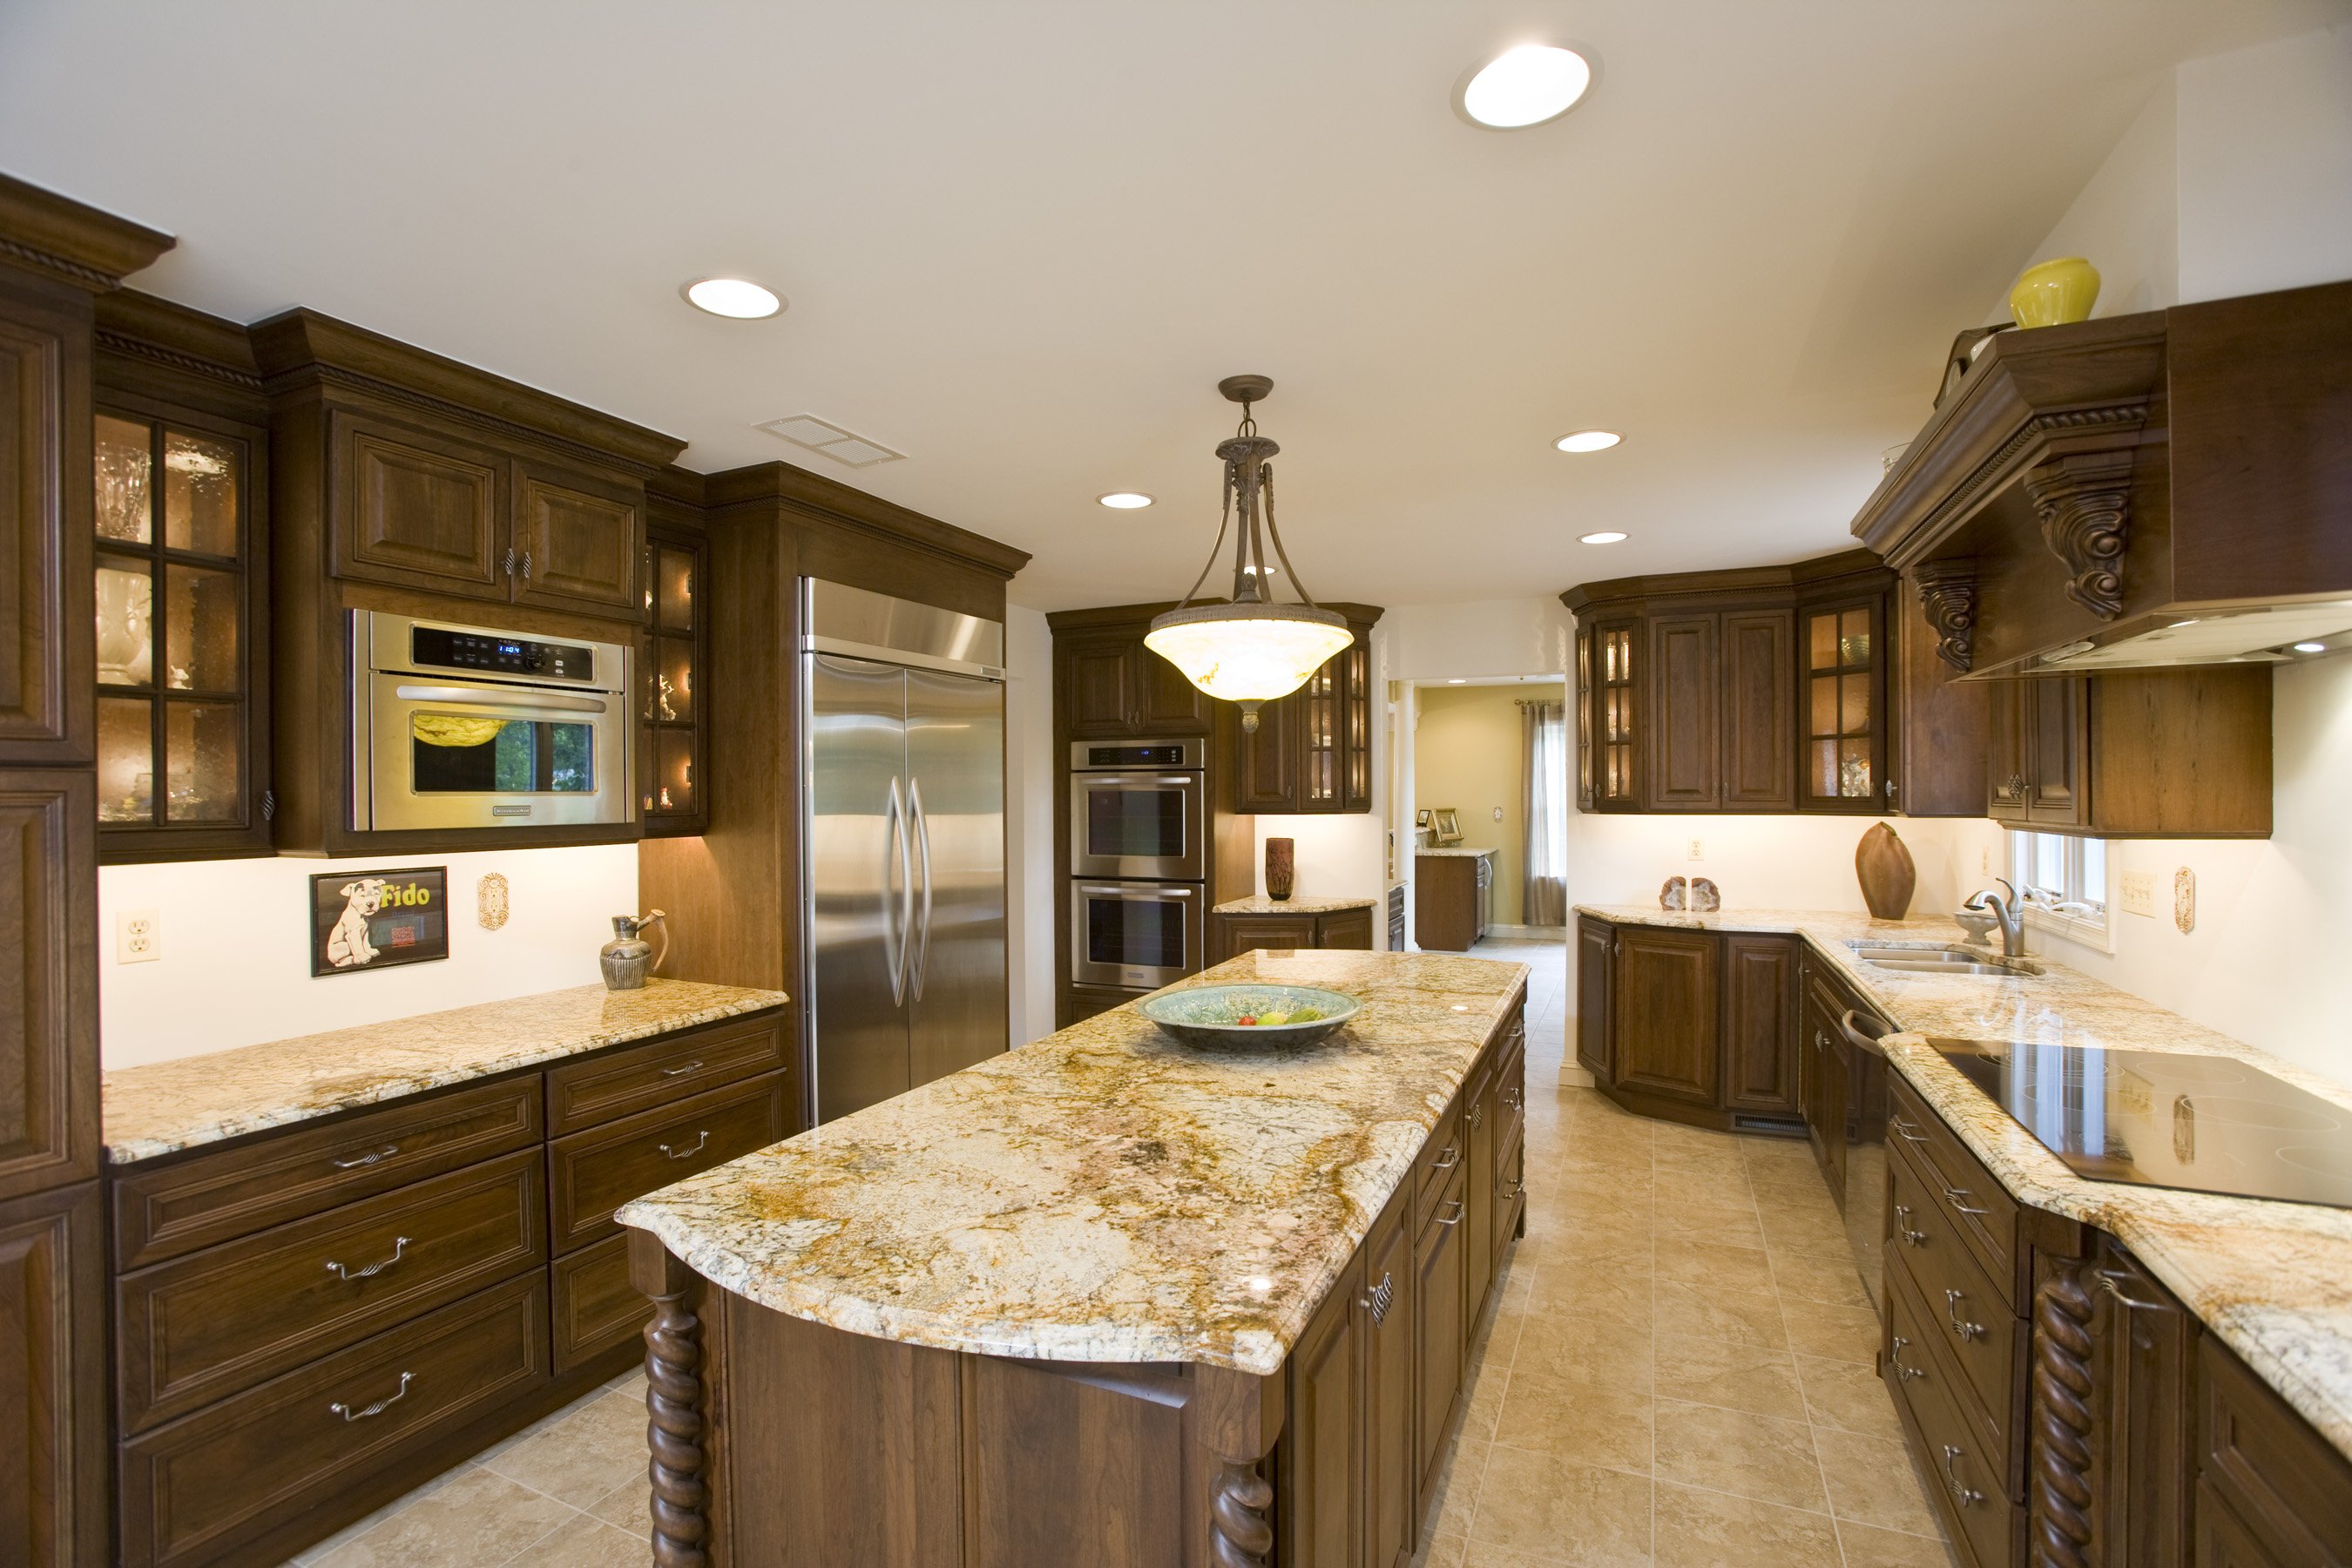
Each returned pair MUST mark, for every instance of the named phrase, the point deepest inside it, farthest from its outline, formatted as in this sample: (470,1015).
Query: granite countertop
(1259,904)
(1427,850)
(1105,1193)
(165,1107)
(2273,1279)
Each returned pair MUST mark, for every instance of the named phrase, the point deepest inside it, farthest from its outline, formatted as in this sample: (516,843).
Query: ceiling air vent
(843,447)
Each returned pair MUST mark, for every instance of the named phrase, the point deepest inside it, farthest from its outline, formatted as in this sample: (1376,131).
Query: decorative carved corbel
(1947,593)
(2062,1419)
(2084,501)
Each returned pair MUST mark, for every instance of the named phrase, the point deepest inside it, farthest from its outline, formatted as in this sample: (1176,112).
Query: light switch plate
(138,937)
(1499,814)
(2139,893)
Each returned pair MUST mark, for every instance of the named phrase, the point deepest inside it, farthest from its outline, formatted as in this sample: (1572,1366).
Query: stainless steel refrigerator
(902,845)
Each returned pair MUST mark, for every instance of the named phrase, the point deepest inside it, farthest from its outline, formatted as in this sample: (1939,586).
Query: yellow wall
(1466,754)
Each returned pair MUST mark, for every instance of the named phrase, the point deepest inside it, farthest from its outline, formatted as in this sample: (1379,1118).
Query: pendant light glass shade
(1248,653)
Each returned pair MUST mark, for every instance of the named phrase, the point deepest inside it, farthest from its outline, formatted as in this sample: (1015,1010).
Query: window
(2065,883)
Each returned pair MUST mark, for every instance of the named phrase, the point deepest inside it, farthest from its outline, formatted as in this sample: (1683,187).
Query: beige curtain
(1543,730)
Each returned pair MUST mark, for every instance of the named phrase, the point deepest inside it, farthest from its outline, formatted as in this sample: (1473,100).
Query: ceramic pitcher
(628,957)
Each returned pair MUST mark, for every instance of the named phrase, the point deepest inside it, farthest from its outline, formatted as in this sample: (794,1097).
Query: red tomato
(1247,1018)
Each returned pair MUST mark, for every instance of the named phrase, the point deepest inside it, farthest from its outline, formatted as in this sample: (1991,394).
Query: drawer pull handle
(379,1407)
(1514,1098)
(1477,1113)
(1905,1131)
(1379,1298)
(1954,1195)
(1902,1227)
(399,1245)
(681,1072)
(1905,1373)
(1447,1161)
(1960,1326)
(1510,1190)
(699,1140)
(1457,1214)
(1965,1495)
(378,1157)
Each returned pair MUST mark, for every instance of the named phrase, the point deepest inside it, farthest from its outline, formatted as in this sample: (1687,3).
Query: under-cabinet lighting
(738,299)
(2311,648)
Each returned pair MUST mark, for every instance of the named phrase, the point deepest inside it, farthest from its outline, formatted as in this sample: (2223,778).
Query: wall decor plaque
(490,901)
(378,919)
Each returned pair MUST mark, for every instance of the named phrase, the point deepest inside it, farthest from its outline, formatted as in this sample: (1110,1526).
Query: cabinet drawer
(595,1306)
(621,1083)
(1982,1211)
(1440,1161)
(1922,1347)
(1987,1526)
(589,1174)
(1979,1333)
(196,1490)
(162,1213)
(1510,1191)
(2289,1489)
(203,1326)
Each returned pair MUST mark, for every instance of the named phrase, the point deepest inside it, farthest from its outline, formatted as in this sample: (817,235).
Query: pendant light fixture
(1248,650)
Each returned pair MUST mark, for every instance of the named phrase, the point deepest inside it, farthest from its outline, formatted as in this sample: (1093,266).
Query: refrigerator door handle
(894,952)
(919,963)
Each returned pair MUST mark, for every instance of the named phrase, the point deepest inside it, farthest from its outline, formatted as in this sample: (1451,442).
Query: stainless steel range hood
(2202,635)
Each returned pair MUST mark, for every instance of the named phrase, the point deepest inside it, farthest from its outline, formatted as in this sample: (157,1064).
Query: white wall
(1489,636)
(1802,862)
(236,967)
(2265,166)
(1335,857)
(2126,220)
(1029,785)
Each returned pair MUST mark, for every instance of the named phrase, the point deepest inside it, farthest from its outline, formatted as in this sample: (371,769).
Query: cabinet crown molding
(791,490)
(68,240)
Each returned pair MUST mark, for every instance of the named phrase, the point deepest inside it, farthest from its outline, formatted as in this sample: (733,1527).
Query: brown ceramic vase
(1882,866)
(1279,863)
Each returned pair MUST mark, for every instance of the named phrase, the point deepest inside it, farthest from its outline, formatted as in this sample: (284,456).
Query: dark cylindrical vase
(1280,862)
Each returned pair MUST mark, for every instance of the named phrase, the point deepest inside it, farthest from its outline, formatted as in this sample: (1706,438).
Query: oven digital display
(442,648)
(1135,757)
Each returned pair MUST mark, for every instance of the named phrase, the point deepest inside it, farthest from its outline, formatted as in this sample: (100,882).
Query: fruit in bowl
(1260,1016)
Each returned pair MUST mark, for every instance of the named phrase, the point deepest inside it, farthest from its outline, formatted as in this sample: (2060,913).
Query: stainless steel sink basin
(1944,961)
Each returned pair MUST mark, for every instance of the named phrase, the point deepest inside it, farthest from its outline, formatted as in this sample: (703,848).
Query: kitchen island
(1103,1299)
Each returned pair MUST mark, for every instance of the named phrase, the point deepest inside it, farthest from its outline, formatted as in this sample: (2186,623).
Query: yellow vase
(2051,293)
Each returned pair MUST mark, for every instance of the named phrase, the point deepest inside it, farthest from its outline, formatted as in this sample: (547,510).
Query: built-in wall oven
(1139,808)
(1137,936)
(456,726)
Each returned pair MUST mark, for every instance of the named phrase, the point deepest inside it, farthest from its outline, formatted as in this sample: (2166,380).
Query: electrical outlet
(1499,814)
(138,937)
(1984,862)
(2139,893)
(1697,849)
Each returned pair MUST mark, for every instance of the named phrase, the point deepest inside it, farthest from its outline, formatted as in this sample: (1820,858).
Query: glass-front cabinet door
(1614,728)
(183,710)
(670,763)
(1843,707)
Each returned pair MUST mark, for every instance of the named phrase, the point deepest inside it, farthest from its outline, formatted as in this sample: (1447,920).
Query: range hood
(2162,489)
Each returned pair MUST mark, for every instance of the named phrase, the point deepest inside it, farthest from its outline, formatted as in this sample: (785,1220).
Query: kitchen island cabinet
(1232,1292)
(1453,898)
(1239,925)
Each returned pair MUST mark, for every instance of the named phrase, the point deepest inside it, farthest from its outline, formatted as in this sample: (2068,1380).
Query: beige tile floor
(1676,1370)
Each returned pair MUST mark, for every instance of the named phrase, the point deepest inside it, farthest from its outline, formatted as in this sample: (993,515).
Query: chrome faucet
(2009,912)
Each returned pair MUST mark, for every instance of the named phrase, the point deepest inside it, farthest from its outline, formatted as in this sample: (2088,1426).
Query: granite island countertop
(1106,1194)
(1297,904)
(2273,1279)
(163,1107)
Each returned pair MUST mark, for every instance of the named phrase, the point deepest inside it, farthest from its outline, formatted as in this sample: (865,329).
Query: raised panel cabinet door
(1269,761)
(1170,704)
(1246,933)
(46,645)
(1387,1303)
(1323,1443)
(1355,665)
(1760,728)
(1759,1025)
(416,508)
(48,979)
(2005,760)
(1097,684)
(1439,1333)
(1594,944)
(2058,752)
(52,1380)
(1686,735)
(1348,929)
(578,541)
(1481,1119)
(1668,1012)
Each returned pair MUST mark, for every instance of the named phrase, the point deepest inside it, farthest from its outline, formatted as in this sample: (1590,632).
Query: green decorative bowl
(1212,1015)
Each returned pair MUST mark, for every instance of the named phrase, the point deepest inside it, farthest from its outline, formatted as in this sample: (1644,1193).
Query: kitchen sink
(1944,961)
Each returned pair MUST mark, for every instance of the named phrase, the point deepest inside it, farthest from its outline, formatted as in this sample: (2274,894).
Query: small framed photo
(1448,826)
(1421,817)
(378,919)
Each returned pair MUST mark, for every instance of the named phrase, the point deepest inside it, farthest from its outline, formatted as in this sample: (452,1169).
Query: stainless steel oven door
(1138,935)
(1139,824)
(434,753)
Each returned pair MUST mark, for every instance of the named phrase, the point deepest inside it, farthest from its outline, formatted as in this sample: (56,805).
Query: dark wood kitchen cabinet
(1312,751)
(1666,994)
(1115,688)
(1608,753)
(2156,754)
(1596,950)
(673,675)
(1759,1024)
(1231,933)
(1453,899)
(52,1379)
(1685,759)
(1693,1025)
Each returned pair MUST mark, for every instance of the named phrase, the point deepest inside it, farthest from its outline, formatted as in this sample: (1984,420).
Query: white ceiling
(1024,238)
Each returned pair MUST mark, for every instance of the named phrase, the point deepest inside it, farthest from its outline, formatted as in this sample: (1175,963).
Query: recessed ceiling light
(1459,680)
(1606,536)
(1125,500)
(737,298)
(1523,85)
(1587,441)
(2311,648)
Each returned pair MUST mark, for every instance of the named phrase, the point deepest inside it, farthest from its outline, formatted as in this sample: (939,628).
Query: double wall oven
(1139,861)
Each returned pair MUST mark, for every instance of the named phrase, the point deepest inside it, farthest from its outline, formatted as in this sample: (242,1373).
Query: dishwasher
(1866,1148)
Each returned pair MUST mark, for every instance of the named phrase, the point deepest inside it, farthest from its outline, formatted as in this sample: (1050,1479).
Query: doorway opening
(1482,809)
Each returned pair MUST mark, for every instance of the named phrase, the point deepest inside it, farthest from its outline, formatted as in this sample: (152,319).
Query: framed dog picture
(376,919)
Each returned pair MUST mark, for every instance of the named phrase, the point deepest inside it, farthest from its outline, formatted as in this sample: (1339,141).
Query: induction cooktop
(2157,1119)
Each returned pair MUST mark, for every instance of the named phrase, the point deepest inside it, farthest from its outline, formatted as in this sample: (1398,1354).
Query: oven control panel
(489,653)
(1090,756)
